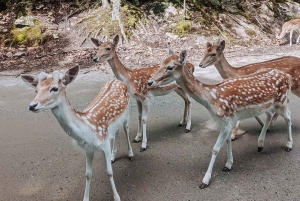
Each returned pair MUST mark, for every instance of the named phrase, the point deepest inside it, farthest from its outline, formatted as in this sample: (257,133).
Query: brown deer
(289,27)
(136,80)
(214,56)
(92,129)
(265,91)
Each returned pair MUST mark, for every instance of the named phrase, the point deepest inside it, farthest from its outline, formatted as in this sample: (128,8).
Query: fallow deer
(214,56)
(92,129)
(289,27)
(136,80)
(265,91)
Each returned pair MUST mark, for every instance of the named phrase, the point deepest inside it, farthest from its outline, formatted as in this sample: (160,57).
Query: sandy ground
(38,161)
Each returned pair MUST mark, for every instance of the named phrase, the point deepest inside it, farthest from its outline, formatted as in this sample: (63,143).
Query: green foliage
(182,28)
(31,36)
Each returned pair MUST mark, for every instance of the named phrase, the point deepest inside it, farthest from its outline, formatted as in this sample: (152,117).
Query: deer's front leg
(107,154)
(291,37)
(229,155)
(139,133)
(224,134)
(89,156)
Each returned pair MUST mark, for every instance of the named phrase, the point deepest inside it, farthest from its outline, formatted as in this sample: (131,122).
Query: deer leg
(273,120)
(89,156)
(291,37)
(234,130)
(126,129)
(224,135)
(187,115)
(261,138)
(115,147)
(145,105)
(259,121)
(287,117)
(139,134)
(298,39)
(107,154)
(229,155)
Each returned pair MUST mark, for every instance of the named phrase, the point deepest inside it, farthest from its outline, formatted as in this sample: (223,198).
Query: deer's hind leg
(261,138)
(286,114)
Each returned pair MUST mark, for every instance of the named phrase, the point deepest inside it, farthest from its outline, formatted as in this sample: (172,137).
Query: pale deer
(289,27)
(214,56)
(136,80)
(95,127)
(265,91)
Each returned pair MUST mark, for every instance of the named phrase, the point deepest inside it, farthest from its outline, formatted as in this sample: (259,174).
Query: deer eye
(213,55)
(170,68)
(55,89)
(108,49)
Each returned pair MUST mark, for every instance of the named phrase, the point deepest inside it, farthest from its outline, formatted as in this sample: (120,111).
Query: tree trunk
(116,16)
(105,4)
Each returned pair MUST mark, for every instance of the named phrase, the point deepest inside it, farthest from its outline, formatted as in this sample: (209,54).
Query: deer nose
(200,65)
(150,82)
(32,106)
(95,59)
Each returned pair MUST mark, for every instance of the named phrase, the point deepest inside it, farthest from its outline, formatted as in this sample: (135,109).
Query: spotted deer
(289,27)
(265,91)
(214,56)
(92,129)
(136,80)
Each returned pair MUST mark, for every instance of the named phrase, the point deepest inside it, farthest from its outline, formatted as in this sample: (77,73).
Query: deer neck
(196,89)
(225,69)
(68,118)
(120,71)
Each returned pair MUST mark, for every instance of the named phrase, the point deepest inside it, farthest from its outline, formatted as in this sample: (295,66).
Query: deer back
(111,102)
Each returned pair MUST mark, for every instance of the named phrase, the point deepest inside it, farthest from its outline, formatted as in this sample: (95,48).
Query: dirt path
(38,161)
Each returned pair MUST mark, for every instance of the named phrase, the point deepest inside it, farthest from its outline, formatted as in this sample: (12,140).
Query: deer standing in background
(265,91)
(214,56)
(136,81)
(289,27)
(92,129)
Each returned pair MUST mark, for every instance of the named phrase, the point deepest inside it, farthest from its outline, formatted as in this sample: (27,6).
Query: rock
(19,54)
(172,36)
(21,49)
(24,21)
(4,30)
(9,54)
(55,36)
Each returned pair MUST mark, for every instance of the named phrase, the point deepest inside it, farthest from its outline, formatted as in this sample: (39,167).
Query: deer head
(49,88)
(170,70)
(105,50)
(212,53)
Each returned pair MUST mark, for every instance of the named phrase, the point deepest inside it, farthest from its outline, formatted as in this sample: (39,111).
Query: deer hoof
(287,149)
(187,130)
(143,149)
(225,169)
(179,125)
(134,141)
(202,186)
(130,158)
(260,149)
(112,161)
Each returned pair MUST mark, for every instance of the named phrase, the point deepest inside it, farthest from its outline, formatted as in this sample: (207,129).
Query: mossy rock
(29,35)
(182,28)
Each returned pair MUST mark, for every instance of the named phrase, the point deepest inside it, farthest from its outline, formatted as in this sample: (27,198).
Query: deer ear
(70,75)
(183,57)
(221,46)
(30,80)
(116,40)
(96,42)
(171,53)
(208,44)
